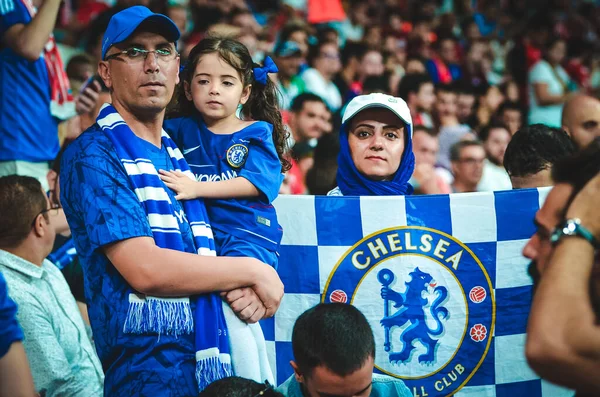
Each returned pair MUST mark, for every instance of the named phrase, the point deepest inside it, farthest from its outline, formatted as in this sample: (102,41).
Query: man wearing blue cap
(151,275)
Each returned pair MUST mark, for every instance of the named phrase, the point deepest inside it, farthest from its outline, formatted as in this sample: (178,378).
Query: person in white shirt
(549,86)
(324,59)
(495,139)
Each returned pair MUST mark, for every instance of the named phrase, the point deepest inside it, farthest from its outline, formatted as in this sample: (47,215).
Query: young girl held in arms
(238,163)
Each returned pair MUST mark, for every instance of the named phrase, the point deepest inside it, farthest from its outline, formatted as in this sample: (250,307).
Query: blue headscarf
(350,181)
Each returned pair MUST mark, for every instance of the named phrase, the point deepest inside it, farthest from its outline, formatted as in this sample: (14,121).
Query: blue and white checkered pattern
(495,226)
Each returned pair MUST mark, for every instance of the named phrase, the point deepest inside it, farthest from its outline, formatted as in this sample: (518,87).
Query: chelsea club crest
(236,155)
(430,303)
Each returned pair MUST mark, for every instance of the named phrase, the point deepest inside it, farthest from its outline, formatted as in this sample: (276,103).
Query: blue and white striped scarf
(172,316)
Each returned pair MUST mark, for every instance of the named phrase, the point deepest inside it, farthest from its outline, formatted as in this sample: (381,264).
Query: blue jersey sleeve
(12,12)
(10,331)
(96,194)
(262,167)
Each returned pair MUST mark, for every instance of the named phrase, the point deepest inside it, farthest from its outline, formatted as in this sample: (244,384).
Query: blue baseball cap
(125,22)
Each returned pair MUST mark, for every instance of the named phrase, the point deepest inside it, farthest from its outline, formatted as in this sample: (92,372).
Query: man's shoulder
(90,145)
(20,288)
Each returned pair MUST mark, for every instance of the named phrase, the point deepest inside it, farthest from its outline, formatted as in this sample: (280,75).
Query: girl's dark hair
(263,101)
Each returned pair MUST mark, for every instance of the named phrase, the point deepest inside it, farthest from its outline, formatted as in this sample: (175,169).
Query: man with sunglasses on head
(151,278)
(62,359)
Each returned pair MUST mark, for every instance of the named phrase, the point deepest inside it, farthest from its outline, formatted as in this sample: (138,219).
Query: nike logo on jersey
(186,151)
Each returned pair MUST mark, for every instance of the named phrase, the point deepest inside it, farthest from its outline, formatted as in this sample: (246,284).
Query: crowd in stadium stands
(498,95)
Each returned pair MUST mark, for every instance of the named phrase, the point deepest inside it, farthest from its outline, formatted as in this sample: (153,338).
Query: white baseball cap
(378,100)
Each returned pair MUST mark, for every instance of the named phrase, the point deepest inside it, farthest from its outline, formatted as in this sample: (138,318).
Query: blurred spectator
(34,93)
(321,178)
(288,57)
(581,119)
(353,27)
(474,72)
(549,85)
(486,18)
(495,138)
(235,386)
(178,14)
(370,64)
(510,91)
(576,64)
(297,32)
(488,105)
(511,115)
(376,84)
(95,32)
(415,65)
(329,34)
(245,20)
(309,119)
(532,152)
(443,67)
(373,36)
(418,92)
(425,180)
(450,128)
(62,359)
(467,159)
(302,153)
(334,355)
(324,59)
(466,100)
(345,80)
(87,119)
(79,69)
(15,375)
(470,30)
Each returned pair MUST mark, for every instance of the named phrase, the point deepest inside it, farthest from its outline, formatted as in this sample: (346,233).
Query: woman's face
(556,53)
(376,141)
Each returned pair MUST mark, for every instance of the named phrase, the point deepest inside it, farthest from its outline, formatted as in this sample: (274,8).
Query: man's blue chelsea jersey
(102,208)
(248,153)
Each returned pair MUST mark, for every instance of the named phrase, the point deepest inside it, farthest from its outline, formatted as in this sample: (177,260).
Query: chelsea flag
(441,280)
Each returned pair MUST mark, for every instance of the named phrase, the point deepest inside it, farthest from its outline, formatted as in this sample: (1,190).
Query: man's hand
(245,304)
(269,289)
(88,98)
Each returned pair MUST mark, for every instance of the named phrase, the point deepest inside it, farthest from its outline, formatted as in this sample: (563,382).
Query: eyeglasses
(53,210)
(136,55)
(268,387)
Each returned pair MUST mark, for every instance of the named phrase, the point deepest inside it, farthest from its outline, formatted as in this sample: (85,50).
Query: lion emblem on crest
(411,309)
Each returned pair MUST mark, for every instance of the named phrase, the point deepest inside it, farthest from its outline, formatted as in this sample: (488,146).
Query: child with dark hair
(237,163)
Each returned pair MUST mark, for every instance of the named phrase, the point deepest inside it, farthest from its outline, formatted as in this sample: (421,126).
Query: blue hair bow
(260,74)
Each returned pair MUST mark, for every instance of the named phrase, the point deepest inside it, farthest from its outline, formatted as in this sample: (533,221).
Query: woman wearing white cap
(376,157)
